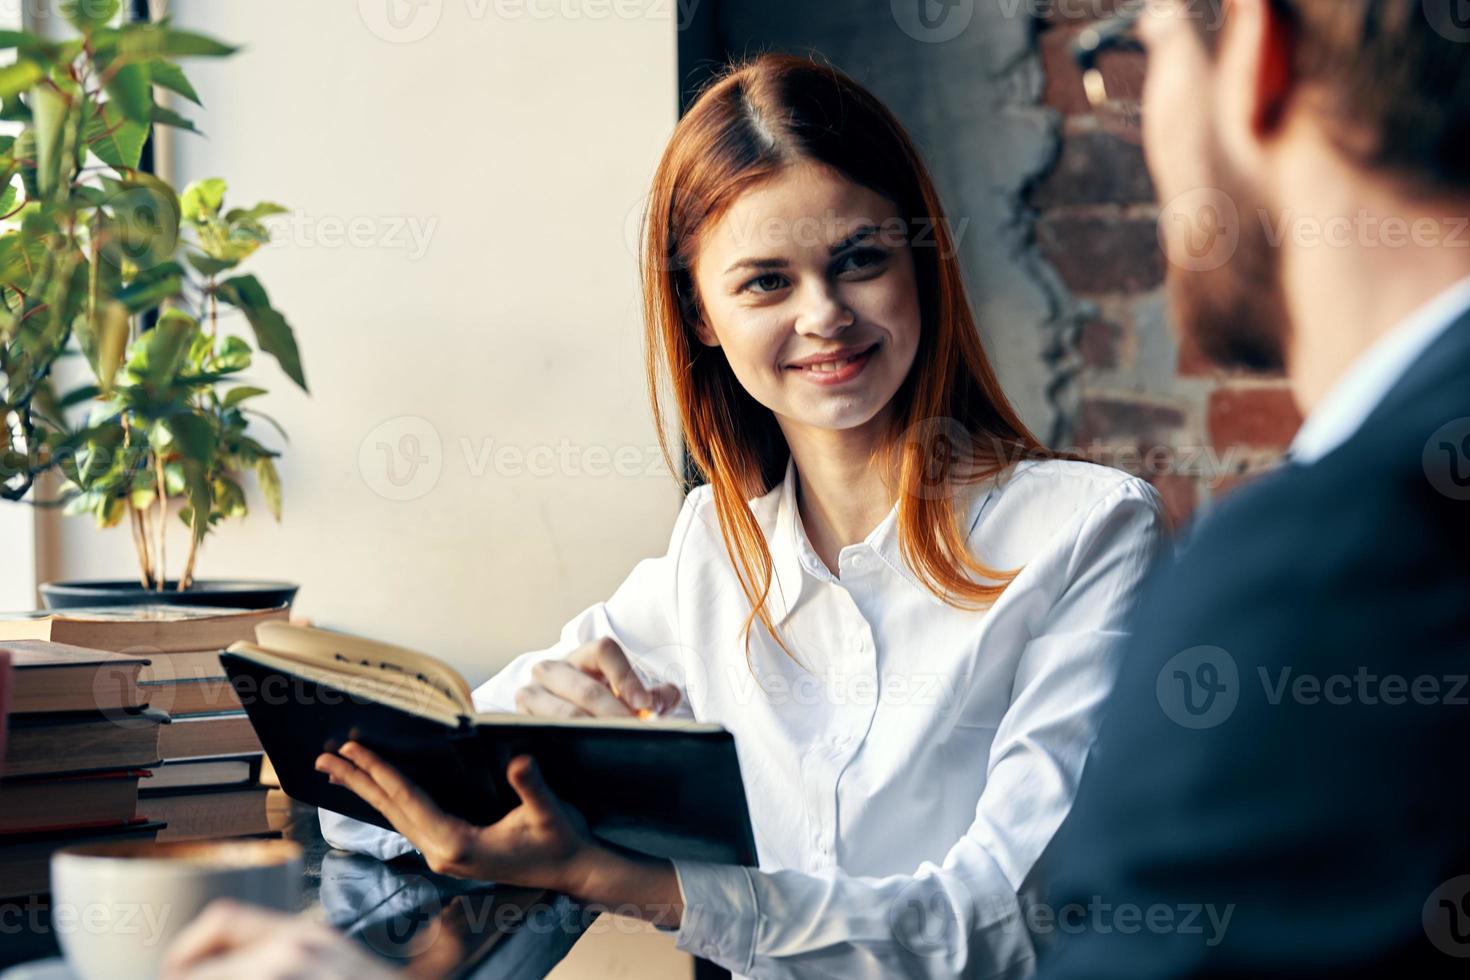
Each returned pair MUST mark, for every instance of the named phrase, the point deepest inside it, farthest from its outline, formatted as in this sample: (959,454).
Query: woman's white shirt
(904,778)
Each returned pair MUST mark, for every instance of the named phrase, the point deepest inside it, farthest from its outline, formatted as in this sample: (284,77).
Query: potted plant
(105,261)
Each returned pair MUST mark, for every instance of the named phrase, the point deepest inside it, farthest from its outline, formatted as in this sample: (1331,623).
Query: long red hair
(951,424)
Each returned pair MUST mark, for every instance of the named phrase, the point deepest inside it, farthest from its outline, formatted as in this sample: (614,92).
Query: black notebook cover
(659,790)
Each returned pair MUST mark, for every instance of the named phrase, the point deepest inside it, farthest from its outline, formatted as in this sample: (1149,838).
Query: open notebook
(666,787)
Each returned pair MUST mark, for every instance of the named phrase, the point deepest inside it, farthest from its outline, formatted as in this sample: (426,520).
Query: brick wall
(1141,402)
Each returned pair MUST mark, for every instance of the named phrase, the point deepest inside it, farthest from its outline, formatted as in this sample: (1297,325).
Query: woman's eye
(861,260)
(768,283)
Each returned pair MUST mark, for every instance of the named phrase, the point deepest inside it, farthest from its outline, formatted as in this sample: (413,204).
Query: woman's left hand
(543,843)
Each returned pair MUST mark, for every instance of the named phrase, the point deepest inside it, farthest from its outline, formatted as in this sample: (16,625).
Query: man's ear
(1274,74)
(1258,44)
(1253,76)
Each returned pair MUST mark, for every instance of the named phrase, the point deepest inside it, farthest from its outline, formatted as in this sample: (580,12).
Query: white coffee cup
(117,906)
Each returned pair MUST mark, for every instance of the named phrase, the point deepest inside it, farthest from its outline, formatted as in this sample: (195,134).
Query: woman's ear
(704,333)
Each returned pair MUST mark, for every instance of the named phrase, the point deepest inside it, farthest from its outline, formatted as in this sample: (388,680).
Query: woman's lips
(837,372)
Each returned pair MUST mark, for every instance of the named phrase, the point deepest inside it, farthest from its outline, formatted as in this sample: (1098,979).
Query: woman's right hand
(594,680)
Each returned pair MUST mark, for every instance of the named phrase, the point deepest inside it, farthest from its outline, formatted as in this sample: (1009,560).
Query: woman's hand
(543,843)
(594,680)
(229,940)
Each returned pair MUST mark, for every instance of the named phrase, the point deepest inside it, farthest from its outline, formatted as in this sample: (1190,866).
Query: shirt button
(858,561)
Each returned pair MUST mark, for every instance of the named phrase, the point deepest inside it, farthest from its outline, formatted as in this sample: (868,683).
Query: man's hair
(1392,78)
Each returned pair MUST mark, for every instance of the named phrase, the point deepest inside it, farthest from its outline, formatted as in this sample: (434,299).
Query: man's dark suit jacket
(1289,741)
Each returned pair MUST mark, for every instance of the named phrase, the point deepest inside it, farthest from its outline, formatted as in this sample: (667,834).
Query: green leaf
(83,394)
(193,436)
(272,333)
(207,265)
(19,76)
(85,15)
(203,198)
(112,341)
(144,42)
(229,498)
(270,484)
(264,209)
(238,395)
(116,141)
(170,76)
(234,355)
(167,117)
(132,92)
(51,112)
(14,109)
(152,287)
(159,353)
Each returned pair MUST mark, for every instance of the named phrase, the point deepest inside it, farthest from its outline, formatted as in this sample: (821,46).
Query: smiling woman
(792,223)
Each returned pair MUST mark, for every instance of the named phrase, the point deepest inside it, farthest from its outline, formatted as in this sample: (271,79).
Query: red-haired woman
(907,613)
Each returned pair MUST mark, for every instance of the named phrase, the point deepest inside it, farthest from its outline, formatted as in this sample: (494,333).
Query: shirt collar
(1373,375)
(795,561)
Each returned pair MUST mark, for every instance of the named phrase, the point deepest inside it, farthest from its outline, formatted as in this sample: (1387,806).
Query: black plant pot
(227,593)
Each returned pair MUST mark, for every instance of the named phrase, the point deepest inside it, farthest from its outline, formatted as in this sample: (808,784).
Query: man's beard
(1236,315)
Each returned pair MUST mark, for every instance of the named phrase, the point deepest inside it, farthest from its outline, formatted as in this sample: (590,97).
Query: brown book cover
(50,676)
(204,816)
(100,799)
(140,629)
(25,859)
(200,695)
(181,665)
(196,736)
(56,744)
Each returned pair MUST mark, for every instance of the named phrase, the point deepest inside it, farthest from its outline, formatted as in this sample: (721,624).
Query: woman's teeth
(832,366)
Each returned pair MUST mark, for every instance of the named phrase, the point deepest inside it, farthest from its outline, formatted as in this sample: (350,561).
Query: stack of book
(122,723)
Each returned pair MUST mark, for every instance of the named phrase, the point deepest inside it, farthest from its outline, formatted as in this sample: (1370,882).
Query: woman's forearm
(639,887)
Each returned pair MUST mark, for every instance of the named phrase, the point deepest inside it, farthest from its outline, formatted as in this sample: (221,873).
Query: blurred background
(463,180)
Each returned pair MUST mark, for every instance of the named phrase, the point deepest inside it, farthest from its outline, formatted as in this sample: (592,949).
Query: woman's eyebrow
(761,265)
(766,265)
(863,231)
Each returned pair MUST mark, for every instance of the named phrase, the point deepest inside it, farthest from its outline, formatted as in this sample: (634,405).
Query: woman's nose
(823,312)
